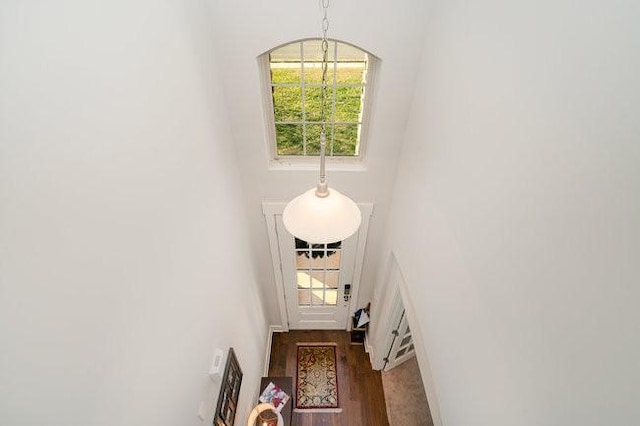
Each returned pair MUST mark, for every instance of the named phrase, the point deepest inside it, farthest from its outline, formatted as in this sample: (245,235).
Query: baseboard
(368,347)
(267,357)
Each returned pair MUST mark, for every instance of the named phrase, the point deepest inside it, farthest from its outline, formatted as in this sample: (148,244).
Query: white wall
(124,255)
(516,209)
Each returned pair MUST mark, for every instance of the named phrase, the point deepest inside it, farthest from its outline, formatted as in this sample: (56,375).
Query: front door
(318,280)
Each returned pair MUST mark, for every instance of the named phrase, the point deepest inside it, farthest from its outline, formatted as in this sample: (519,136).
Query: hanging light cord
(323,190)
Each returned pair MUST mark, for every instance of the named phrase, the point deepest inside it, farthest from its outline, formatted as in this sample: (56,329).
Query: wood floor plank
(359,386)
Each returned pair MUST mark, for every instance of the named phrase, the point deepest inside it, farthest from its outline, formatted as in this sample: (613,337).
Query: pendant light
(322,215)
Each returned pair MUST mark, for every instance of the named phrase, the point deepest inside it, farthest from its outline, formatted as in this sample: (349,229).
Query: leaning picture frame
(229,392)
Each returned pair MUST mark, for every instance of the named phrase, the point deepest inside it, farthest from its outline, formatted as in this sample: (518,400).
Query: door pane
(317,279)
(318,273)
(332,279)
(304,297)
(333,260)
(318,262)
(317,297)
(302,260)
(304,280)
(331,297)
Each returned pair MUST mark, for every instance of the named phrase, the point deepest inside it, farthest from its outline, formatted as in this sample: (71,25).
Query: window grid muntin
(359,124)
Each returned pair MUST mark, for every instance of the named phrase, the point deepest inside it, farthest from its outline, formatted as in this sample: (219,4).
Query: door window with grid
(317,273)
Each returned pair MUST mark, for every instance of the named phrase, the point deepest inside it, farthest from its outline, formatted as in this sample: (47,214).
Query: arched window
(294,75)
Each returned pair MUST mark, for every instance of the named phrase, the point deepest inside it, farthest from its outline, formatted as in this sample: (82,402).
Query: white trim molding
(267,357)
(270,210)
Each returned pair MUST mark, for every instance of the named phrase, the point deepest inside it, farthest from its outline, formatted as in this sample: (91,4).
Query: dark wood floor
(359,386)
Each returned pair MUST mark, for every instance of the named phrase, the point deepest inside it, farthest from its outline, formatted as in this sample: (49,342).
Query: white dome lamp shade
(322,219)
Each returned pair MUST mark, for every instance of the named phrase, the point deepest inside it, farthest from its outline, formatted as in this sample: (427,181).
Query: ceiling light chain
(322,190)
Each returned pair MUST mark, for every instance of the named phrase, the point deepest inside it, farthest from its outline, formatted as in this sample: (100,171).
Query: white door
(318,280)
(402,347)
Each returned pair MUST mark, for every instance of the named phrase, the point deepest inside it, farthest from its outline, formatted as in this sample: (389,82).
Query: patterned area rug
(317,378)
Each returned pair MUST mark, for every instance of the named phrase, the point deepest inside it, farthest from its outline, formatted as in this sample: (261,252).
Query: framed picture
(229,392)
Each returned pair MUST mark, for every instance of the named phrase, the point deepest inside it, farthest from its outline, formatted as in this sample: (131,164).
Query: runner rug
(317,379)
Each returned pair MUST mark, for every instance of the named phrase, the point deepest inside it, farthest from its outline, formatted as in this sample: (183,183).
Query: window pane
(405,341)
(286,104)
(331,297)
(317,279)
(289,139)
(334,246)
(288,53)
(318,261)
(401,352)
(349,73)
(313,104)
(286,73)
(346,139)
(313,50)
(348,104)
(304,298)
(302,261)
(349,53)
(317,297)
(331,279)
(313,74)
(301,244)
(313,61)
(303,279)
(333,260)
(313,139)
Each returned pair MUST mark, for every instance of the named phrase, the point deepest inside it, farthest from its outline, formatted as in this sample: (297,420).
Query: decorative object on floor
(264,415)
(229,392)
(360,323)
(274,396)
(361,317)
(321,215)
(317,378)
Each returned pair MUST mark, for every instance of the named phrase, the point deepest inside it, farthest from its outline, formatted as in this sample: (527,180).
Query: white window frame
(310,162)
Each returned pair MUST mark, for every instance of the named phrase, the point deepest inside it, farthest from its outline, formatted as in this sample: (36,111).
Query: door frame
(395,287)
(273,209)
